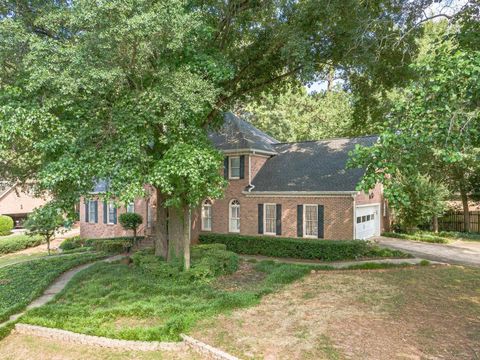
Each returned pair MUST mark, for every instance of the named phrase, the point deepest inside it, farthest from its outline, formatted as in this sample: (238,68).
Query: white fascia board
(298,193)
(249,151)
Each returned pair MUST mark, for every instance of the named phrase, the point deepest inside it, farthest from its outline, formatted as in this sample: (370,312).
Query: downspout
(250,185)
(354,219)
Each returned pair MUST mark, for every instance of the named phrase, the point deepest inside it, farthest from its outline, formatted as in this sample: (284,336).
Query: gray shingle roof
(311,166)
(237,134)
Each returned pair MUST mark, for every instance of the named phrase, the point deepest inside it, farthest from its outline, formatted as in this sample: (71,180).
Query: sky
(448,7)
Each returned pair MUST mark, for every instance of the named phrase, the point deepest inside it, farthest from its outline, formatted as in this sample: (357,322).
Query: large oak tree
(126,90)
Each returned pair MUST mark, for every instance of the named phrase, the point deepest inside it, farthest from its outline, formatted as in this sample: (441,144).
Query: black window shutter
(115,215)
(279,219)
(320,221)
(260,218)
(105,213)
(86,210)
(96,211)
(242,166)
(225,167)
(300,220)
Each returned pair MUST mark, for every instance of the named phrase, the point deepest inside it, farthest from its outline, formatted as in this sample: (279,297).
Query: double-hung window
(92,211)
(270,219)
(207,215)
(131,207)
(310,216)
(234,167)
(234,218)
(111,213)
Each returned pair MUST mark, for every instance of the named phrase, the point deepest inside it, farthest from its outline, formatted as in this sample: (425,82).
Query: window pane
(270,218)
(311,220)
(91,211)
(131,208)
(111,213)
(234,167)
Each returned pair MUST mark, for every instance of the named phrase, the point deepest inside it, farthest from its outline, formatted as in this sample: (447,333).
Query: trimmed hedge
(326,250)
(19,242)
(109,245)
(6,225)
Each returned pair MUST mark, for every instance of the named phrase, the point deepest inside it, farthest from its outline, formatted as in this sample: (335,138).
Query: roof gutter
(247,150)
(298,193)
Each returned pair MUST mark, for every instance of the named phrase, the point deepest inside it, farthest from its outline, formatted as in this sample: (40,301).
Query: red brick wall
(102,230)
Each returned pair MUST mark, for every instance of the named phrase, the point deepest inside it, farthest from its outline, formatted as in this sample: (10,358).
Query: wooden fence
(453,221)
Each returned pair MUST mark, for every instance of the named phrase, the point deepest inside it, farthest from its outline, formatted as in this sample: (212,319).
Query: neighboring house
(299,189)
(17,202)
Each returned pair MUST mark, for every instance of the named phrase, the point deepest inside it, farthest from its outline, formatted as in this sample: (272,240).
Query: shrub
(6,225)
(326,250)
(208,262)
(111,245)
(19,242)
(74,242)
(131,221)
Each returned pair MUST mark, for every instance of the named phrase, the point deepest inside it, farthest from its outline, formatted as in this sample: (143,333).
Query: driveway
(460,252)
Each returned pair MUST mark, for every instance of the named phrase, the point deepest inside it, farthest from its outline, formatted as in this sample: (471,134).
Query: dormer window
(234,167)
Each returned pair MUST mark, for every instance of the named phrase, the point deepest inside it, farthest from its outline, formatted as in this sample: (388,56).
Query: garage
(367,221)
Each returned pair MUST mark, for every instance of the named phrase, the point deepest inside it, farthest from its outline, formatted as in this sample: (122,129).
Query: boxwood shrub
(6,225)
(325,250)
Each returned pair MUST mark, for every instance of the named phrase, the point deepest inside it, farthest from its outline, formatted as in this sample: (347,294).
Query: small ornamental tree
(131,221)
(44,221)
(6,225)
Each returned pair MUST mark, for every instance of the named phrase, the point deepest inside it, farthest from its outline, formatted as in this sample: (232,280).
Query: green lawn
(21,283)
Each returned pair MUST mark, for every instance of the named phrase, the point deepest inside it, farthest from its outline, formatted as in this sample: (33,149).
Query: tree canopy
(124,90)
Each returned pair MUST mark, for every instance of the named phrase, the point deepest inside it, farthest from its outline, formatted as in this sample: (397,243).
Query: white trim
(298,193)
(230,216)
(250,151)
(207,203)
(265,219)
(354,219)
(365,205)
(108,213)
(304,222)
(230,177)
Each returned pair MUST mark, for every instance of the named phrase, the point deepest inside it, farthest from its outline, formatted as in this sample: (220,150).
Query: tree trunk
(466,213)
(160,227)
(48,245)
(186,238)
(135,237)
(435,224)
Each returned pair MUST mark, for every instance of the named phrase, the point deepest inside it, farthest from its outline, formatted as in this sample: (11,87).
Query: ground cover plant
(442,237)
(19,242)
(155,300)
(21,283)
(325,250)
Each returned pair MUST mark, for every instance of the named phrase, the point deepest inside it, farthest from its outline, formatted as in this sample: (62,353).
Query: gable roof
(311,166)
(236,134)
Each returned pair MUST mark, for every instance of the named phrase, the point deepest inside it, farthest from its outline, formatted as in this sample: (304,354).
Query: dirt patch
(389,314)
(244,278)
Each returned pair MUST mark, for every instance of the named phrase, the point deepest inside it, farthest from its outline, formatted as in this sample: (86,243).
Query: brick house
(300,189)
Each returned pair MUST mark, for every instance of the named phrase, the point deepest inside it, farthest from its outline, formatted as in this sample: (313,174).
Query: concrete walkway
(337,264)
(460,252)
(57,286)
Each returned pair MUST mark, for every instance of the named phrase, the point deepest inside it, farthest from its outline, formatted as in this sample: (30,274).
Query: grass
(21,283)
(403,312)
(13,243)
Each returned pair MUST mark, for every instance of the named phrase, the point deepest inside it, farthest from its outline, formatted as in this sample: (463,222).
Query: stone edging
(63,335)
(57,334)
(207,350)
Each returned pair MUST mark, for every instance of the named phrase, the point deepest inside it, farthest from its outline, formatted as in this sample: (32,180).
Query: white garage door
(367,221)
